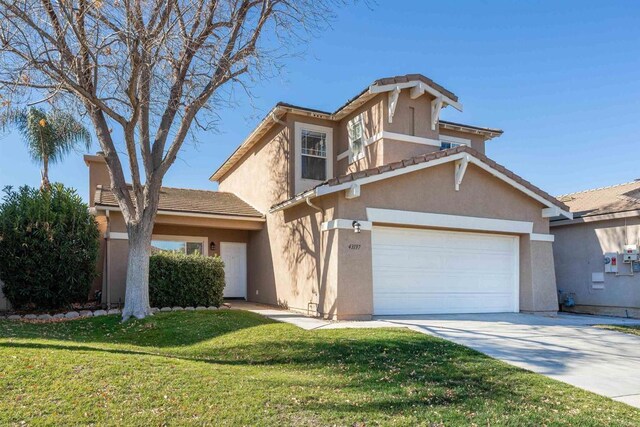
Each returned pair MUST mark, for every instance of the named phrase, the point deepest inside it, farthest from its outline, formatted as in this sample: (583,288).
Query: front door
(234,256)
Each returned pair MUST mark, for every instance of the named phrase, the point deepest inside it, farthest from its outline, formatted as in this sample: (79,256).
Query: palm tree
(49,135)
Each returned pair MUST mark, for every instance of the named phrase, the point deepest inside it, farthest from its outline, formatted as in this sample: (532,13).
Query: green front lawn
(238,368)
(627,329)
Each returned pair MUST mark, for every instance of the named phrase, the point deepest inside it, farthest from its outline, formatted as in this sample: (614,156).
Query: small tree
(151,68)
(48,247)
(48,135)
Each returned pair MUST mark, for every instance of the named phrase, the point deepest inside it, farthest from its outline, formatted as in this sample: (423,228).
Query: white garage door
(429,271)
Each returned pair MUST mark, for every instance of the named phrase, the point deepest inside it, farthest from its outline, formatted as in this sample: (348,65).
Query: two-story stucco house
(377,208)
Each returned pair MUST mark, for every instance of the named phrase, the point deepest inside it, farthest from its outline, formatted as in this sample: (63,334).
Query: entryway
(234,256)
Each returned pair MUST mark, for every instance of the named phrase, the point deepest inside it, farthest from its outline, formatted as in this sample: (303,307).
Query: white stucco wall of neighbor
(579,257)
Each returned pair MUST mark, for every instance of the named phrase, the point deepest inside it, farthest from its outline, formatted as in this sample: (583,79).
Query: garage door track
(567,348)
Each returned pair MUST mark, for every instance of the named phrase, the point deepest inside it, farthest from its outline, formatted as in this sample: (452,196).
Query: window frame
(302,184)
(352,156)
(453,140)
(187,239)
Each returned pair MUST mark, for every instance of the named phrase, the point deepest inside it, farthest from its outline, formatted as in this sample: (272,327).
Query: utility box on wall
(630,253)
(611,262)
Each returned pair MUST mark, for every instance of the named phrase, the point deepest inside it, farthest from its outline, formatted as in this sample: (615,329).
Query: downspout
(320,257)
(107,277)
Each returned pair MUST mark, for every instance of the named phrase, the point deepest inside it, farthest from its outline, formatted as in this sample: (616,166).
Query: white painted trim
(343,155)
(455,139)
(113,235)
(353,158)
(436,106)
(410,138)
(461,169)
(302,184)
(174,238)
(345,224)
(393,102)
(423,219)
(536,237)
(595,218)
(188,214)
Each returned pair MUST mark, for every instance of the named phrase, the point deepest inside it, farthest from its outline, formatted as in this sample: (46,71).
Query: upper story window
(447,142)
(314,158)
(355,129)
(314,155)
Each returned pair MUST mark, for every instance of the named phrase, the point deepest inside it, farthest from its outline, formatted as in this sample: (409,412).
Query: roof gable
(347,181)
(606,200)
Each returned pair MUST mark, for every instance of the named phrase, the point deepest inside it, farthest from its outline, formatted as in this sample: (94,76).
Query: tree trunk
(44,183)
(136,301)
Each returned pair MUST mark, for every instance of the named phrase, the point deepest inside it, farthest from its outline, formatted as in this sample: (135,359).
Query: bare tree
(153,69)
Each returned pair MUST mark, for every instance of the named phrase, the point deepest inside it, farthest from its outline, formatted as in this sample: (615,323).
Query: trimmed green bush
(48,247)
(185,280)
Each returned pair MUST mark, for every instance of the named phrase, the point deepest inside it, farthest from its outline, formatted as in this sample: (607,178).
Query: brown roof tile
(190,201)
(606,200)
(431,157)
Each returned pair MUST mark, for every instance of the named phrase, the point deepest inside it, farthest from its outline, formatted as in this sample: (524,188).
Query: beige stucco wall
(579,250)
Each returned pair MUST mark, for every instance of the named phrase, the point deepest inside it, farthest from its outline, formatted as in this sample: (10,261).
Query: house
(597,267)
(377,208)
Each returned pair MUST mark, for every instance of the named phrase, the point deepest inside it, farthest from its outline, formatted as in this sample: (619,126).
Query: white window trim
(455,140)
(353,158)
(304,184)
(172,238)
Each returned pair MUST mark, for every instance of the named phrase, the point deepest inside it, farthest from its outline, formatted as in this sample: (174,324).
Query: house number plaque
(354,246)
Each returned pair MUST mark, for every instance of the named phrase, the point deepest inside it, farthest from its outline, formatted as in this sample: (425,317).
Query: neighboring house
(377,208)
(590,250)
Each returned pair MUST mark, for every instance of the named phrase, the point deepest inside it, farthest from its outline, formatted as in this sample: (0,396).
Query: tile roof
(190,201)
(425,158)
(605,200)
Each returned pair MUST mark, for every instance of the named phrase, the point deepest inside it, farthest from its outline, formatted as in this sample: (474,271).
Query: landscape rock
(45,317)
(212,308)
(86,313)
(201,308)
(30,316)
(113,311)
(14,317)
(155,309)
(165,309)
(189,308)
(100,312)
(72,315)
(177,308)
(58,316)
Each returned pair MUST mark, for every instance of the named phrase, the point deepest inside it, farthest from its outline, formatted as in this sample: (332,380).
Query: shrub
(48,247)
(185,280)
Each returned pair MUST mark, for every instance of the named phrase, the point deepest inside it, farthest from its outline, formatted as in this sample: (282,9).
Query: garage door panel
(429,271)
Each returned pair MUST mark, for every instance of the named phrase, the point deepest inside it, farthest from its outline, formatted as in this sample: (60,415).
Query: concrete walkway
(567,347)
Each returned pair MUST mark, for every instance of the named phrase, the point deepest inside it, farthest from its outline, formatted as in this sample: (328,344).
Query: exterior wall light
(212,246)
(356,226)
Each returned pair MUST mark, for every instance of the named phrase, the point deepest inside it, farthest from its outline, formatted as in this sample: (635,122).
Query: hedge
(185,280)
(48,247)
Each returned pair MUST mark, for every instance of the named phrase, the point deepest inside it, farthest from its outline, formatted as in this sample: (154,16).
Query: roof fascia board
(596,218)
(106,208)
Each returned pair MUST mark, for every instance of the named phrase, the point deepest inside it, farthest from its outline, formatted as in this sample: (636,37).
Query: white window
(447,142)
(179,244)
(355,129)
(314,145)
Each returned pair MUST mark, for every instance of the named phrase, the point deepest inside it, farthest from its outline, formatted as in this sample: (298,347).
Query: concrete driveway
(567,348)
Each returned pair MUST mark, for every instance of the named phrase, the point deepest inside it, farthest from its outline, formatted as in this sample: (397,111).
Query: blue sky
(561,78)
